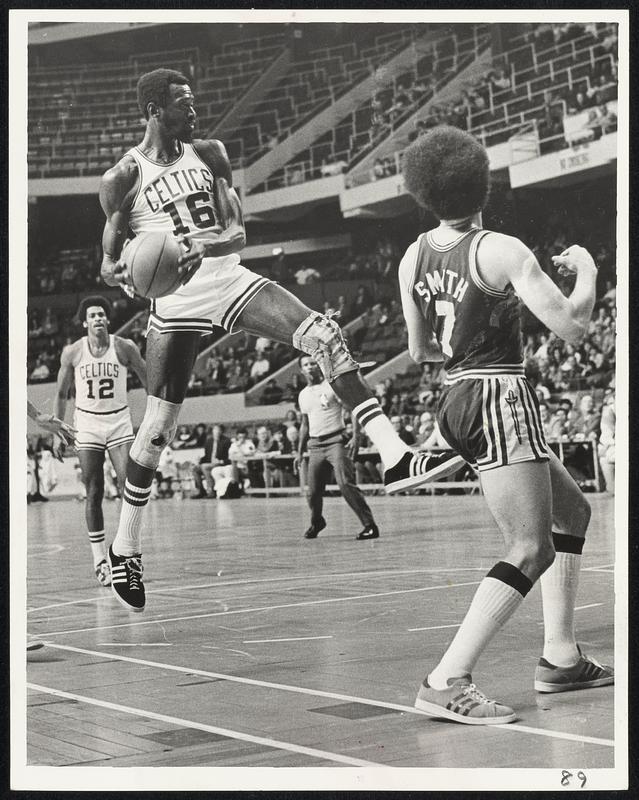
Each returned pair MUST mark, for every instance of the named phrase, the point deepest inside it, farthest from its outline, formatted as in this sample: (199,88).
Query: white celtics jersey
(176,197)
(100,383)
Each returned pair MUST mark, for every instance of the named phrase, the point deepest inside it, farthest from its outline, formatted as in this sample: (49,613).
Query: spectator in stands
(283,474)
(435,441)
(588,419)
(606,447)
(216,454)
(260,368)
(426,427)
(41,371)
(558,425)
(607,119)
(197,437)
(579,102)
(261,474)
(234,472)
(406,436)
(183,436)
(166,473)
(272,393)
(600,371)
(305,275)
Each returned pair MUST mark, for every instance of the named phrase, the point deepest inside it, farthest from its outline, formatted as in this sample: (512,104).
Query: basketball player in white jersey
(97,366)
(171,182)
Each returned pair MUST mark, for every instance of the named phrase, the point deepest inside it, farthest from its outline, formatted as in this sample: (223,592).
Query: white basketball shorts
(216,295)
(97,431)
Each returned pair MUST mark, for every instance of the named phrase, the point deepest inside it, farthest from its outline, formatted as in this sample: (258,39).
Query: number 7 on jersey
(446,309)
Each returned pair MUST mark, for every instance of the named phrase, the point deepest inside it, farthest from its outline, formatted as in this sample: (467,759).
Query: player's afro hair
(153,87)
(92,300)
(447,172)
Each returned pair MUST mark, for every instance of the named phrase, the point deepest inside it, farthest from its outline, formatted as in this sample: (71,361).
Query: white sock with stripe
(559,585)
(127,540)
(98,547)
(495,601)
(380,431)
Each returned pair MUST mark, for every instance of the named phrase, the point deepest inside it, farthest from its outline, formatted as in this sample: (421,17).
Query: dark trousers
(320,459)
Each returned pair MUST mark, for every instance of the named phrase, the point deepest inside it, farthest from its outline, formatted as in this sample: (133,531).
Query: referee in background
(323,430)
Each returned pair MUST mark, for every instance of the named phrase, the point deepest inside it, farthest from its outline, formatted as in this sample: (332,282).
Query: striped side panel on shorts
(120,440)
(512,427)
(193,324)
(240,302)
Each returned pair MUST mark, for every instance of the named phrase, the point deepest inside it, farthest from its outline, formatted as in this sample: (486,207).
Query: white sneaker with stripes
(126,580)
(462,702)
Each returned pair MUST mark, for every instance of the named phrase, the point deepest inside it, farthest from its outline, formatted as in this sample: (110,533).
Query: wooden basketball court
(259,648)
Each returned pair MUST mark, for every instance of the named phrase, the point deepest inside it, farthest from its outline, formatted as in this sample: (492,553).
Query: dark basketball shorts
(492,421)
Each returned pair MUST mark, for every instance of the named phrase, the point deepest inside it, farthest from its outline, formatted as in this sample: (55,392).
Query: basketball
(152,261)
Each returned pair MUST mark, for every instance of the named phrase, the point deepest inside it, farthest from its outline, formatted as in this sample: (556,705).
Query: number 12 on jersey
(446,309)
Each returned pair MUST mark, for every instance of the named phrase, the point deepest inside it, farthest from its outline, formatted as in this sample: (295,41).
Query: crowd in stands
(496,83)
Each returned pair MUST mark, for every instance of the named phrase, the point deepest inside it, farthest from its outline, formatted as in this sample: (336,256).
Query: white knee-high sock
(559,585)
(380,431)
(497,598)
(134,500)
(98,547)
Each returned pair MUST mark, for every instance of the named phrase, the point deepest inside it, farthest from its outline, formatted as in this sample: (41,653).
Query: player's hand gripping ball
(152,263)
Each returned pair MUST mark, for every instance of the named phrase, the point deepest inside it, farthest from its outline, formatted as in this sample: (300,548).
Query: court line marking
(319,693)
(434,627)
(186,723)
(294,639)
(164,620)
(590,605)
(283,578)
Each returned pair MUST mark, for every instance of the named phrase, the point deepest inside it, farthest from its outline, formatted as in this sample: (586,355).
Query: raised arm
(117,191)
(422,344)
(129,354)
(504,260)
(228,207)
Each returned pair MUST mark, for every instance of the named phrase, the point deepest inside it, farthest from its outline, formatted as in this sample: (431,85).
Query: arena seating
(354,135)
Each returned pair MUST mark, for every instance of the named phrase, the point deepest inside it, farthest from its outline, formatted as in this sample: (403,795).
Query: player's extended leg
(562,666)
(169,361)
(92,466)
(277,314)
(345,477)
(316,477)
(519,498)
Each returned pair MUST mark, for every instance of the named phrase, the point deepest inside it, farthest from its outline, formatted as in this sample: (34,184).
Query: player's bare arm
(504,260)
(117,192)
(232,239)
(66,377)
(129,354)
(422,344)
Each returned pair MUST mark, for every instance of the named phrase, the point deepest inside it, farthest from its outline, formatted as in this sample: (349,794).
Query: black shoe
(315,528)
(126,580)
(414,469)
(40,498)
(198,496)
(370,532)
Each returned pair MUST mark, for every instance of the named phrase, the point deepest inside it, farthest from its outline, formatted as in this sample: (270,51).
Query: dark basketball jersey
(477,327)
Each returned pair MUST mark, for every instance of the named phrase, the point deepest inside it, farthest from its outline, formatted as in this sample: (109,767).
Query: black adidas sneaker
(414,469)
(126,580)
